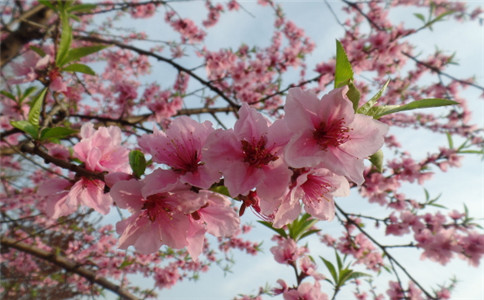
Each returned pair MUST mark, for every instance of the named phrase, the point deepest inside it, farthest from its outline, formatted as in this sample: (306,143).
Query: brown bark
(31,27)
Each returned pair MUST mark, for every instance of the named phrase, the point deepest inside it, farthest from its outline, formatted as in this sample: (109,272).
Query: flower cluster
(309,156)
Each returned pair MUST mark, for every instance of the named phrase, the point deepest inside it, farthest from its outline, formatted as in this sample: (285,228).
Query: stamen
(332,134)
(256,154)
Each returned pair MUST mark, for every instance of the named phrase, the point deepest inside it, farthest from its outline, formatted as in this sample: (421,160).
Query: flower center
(316,188)
(154,206)
(332,134)
(187,164)
(256,154)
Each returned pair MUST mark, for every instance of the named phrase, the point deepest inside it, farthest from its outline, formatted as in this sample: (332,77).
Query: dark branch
(67,265)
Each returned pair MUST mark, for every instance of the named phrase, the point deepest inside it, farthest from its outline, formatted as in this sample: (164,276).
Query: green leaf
(8,95)
(82,8)
(79,68)
(427,195)
(74,17)
(377,160)
(137,162)
(420,16)
(26,127)
(438,18)
(66,39)
(48,4)
(221,189)
(424,103)
(436,205)
(449,139)
(472,151)
(353,94)
(365,108)
(377,111)
(78,53)
(344,275)
(308,233)
(27,93)
(343,70)
(56,133)
(36,107)
(331,269)
(37,50)
(126,262)
(299,226)
(338,260)
(280,231)
(355,275)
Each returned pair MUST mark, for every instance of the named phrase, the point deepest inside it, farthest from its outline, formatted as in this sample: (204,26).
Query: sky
(456,186)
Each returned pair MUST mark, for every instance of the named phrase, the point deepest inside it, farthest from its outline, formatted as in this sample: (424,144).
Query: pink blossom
(188,30)
(220,218)
(163,214)
(414,293)
(308,267)
(63,198)
(282,289)
(328,132)
(56,191)
(248,157)
(233,5)
(287,251)
(316,188)
(26,71)
(473,247)
(306,291)
(58,151)
(166,277)
(439,246)
(443,294)
(216,217)
(395,291)
(180,147)
(57,83)
(101,149)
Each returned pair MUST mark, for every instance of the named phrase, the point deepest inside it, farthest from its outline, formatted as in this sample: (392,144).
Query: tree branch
(62,163)
(164,59)
(438,71)
(29,29)
(383,248)
(67,265)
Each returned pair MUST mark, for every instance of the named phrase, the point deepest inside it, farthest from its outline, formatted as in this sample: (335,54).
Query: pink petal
(251,124)
(240,178)
(140,232)
(274,186)
(204,178)
(127,194)
(323,210)
(159,181)
(220,218)
(303,151)
(221,149)
(195,239)
(344,164)
(53,186)
(90,192)
(301,107)
(174,229)
(366,136)
(335,106)
(288,211)
(185,202)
